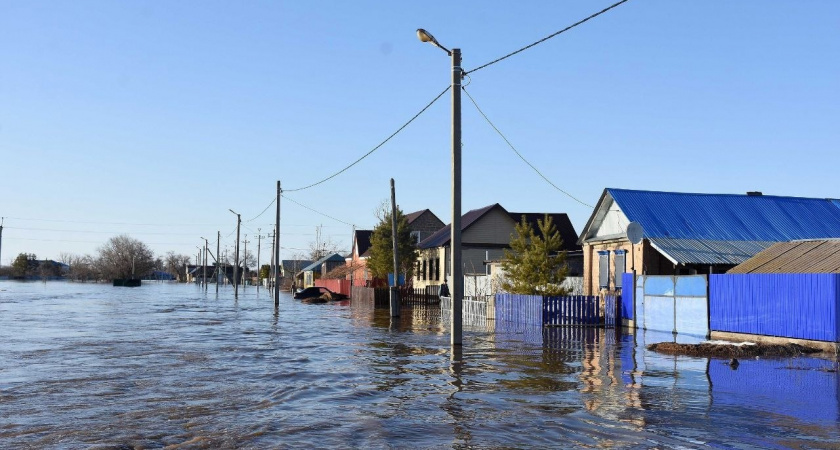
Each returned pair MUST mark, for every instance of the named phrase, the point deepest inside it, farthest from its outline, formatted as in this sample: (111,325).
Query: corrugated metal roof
(724,228)
(701,251)
(817,256)
(317,264)
(727,217)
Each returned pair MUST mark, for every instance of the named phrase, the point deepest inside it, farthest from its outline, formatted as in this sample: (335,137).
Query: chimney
(754,193)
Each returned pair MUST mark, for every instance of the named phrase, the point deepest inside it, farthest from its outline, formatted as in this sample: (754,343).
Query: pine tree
(381,261)
(535,265)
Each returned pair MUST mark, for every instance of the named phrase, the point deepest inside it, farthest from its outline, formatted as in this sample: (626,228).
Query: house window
(604,269)
(437,266)
(415,235)
(620,267)
(424,270)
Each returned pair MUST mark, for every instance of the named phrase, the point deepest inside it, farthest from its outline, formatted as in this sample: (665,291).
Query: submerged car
(319,293)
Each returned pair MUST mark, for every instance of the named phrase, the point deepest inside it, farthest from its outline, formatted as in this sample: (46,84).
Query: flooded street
(86,365)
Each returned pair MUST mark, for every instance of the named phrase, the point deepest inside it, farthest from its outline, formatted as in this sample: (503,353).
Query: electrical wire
(315,211)
(549,36)
(520,155)
(115,223)
(274,199)
(374,149)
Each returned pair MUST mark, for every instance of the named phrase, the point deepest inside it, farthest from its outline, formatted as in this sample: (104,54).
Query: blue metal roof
(727,217)
(317,264)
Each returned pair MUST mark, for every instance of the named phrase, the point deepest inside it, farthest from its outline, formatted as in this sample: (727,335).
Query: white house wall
(614,223)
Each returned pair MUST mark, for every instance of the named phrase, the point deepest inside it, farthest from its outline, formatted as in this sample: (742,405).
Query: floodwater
(168,365)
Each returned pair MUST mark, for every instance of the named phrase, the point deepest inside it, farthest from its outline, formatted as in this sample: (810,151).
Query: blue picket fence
(576,310)
(571,310)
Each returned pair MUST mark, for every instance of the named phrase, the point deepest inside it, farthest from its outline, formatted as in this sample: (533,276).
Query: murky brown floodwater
(86,366)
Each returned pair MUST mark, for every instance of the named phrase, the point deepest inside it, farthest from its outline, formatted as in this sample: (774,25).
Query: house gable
(494,227)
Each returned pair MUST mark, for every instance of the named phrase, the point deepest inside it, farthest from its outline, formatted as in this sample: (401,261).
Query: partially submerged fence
(381,296)
(335,284)
(675,304)
(475,311)
(576,310)
(801,306)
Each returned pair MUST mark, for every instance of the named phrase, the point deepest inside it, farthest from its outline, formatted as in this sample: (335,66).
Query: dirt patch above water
(731,350)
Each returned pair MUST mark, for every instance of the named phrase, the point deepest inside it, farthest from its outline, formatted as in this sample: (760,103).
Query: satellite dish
(635,232)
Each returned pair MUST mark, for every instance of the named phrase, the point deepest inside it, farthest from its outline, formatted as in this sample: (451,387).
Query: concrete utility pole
(277,249)
(395,290)
(270,279)
(236,256)
(259,269)
(245,261)
(456,269)
(204,267)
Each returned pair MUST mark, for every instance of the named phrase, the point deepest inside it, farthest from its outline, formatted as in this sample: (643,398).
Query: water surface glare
(94,366)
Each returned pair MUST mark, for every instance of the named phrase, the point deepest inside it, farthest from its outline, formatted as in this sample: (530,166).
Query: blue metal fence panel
(692,317)
(659,313)
(639,302)
(627,296)
(803,306)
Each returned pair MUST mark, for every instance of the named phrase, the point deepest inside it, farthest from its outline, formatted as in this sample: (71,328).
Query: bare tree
(176,264)
(322,246)
(124,257)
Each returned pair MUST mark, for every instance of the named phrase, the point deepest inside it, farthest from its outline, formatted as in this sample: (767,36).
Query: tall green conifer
(535,265)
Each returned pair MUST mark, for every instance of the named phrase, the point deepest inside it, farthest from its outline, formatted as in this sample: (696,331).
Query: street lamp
(457,291)
(236,257)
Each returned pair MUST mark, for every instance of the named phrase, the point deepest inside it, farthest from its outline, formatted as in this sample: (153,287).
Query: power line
(549,36)
(520,155)
(315,211)
(374,149)
(274,199)
(115,223)
(101,232)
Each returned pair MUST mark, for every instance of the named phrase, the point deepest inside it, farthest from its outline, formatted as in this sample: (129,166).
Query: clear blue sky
(153,118)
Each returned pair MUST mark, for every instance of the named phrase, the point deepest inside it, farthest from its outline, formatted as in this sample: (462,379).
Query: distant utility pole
(218,259)
(259,269)
(1,240)
(236,256)
(245,261)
